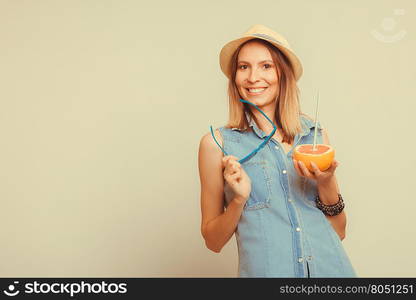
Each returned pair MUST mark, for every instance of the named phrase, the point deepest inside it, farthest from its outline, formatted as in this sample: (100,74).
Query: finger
(300,169)
(305,170)
(227,159)
(315,169)
(335,164)
(235,178)
(228,176)
(236,165)
(232,158)
(231,169)
(224,161)
(332,167)
(233,165)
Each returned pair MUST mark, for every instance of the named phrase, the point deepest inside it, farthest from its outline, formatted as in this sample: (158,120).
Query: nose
(253,76)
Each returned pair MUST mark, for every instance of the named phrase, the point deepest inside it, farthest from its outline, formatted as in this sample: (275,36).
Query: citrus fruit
(322,156)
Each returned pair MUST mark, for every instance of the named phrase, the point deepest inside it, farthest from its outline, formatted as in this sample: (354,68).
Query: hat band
(267,37)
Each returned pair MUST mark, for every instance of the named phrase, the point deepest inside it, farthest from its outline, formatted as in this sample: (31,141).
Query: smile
(256,91)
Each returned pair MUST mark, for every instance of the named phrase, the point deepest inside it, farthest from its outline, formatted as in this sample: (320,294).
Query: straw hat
(264,33)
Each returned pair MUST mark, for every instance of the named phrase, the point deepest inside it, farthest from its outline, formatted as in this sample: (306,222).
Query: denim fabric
(281,233)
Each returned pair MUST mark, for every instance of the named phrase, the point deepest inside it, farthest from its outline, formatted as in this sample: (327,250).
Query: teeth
(256,90)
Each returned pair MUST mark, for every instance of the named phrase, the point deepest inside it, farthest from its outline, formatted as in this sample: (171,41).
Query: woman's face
(256,76)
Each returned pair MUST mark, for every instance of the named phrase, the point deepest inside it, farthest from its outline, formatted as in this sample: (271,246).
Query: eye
(242,67)
(267,66)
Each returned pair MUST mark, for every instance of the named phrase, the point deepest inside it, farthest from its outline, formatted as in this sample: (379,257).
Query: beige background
(103,104)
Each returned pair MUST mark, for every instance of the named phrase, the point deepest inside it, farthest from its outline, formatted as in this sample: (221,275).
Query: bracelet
(331,210)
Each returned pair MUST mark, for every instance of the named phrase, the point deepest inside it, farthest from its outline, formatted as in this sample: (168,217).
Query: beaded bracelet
(331,210)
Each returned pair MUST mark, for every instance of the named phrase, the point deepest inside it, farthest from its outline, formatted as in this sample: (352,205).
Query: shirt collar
(260,133)
(251,123)
(308,125)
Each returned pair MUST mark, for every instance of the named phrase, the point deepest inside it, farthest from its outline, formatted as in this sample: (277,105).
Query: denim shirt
(281,232)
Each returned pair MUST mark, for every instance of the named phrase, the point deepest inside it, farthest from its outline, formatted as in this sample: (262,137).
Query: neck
(262,122)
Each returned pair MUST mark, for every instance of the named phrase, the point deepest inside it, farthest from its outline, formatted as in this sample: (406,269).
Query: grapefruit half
(322,156)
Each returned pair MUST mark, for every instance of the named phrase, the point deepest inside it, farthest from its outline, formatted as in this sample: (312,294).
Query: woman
(270,199)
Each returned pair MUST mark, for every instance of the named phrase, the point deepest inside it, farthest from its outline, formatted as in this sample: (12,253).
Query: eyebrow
(263,61)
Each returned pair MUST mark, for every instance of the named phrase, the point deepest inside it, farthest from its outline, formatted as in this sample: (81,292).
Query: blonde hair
(287,113)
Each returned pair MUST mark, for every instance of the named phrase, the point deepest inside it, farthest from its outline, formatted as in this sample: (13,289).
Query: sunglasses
(254,152)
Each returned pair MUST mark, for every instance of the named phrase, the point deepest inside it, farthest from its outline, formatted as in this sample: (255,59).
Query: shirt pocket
(260,175)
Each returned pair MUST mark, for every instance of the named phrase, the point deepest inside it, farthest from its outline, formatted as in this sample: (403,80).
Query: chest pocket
(260,175)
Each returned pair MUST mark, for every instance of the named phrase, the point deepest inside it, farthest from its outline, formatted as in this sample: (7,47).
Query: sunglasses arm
(247,157)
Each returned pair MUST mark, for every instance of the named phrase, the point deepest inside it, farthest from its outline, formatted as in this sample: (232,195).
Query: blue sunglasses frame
(254,152)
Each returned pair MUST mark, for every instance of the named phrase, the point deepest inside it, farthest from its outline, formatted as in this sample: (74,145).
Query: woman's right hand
(236,178)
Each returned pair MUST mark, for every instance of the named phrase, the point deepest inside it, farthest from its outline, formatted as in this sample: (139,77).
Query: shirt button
(276,147)
(290,200)
(297,229)
(309,258)
(300,259)
(284,171)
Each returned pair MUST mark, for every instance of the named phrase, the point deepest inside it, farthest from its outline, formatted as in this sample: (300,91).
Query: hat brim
(229,49)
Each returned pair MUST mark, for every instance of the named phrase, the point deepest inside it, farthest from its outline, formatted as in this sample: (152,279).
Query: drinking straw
(316,122)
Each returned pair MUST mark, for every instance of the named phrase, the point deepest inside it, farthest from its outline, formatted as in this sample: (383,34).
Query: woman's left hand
(318,175)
